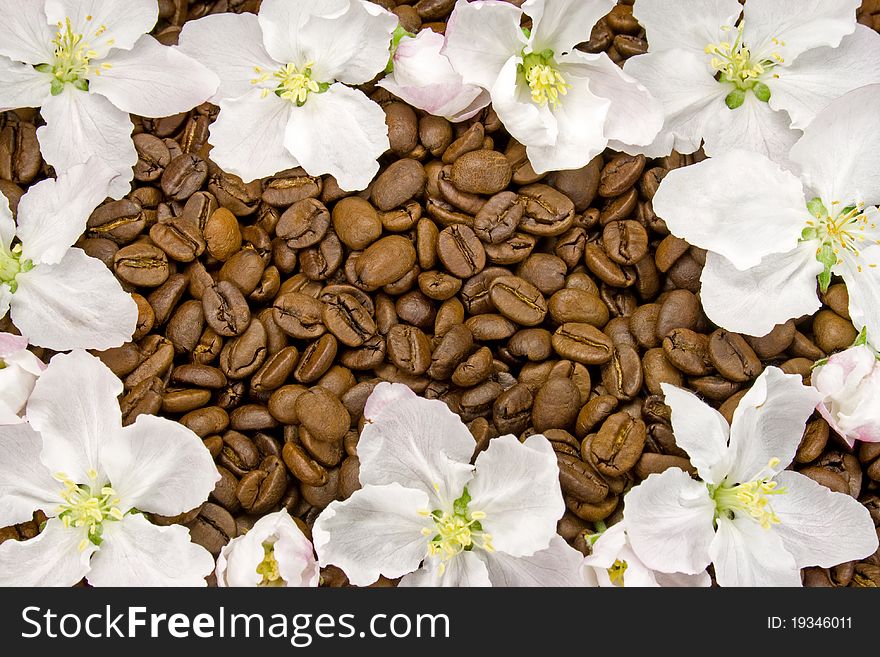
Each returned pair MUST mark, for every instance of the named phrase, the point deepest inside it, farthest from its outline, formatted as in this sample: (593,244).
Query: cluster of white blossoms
(779,94)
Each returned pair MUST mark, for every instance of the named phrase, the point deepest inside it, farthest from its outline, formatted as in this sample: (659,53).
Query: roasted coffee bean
(224,491)
(321,412)
(714,387)
(499,217)
(688,351)
(226,310)
(153,157)
(622,375)
(775,342)
(452,349)
(460,251)
(144,398)
(398,183)
(832,332)
(511,411)
(475,369)
(243,355)
(304,223)
(580,480)
(490,327)
(183,176)
(347,318)
(546,272)
(409,349)
(594,412)
(302,466)
(618,444)
(573,305)
(592,512)
(546,211)
(582,343)
(649,464)
(557,403)
(657,369)
(299,315)
(183,401)
(621,174)
(481,172)
(402,127)
(518,300)
(625,242)
(814,441)
(606,269)
(239,454)
(385,261)
(534,344)
(141,264)
(179,237)
(580,185)
(356,222)
(185,326)
(213,528)
(316,359)
(680,309)
(438,285)
(732,356)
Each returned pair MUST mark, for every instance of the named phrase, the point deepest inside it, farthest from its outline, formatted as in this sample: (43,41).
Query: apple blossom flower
(283,96)
(756,522)
(87,65)
(613,563)
(423,503)
(770,234)
(19,369)
(57,295)
(93,478)
(423,77)
(564,105)
(850,385)
(274,552)
(751,83)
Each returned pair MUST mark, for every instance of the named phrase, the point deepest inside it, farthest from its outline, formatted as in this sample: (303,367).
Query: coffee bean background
(557,303)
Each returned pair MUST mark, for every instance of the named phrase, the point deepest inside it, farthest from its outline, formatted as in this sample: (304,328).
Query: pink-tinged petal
(10,344)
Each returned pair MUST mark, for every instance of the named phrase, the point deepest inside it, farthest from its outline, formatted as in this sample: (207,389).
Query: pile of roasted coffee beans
(528,303)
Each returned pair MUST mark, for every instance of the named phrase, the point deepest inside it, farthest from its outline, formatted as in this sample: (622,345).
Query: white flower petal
(136,552)
(282,23)
(745,554)
(376,531)
(669,522)
(534,125)
(25,34)
(559,25)
(607,547)
(79,126)
(153,80)
(5,299)
(769,423)
(105,24)
(77,303)
(340,132)
(12,344)
(740,205)
(25,483)
(53,213)
(51,558)
(754,301)
(753,126)
(680,580)
(248,136)
(791,27)
(231,45)
(75,421)
(822,74)
(687,24)
(558,565)
(690,95)
(517,486)
(820,527)
(7,225)
(21,85)
(465,570)
(701,431)
(480,39)
(862,276)
(417,443)
(635,116)
(159,466)
(837,155)
(16,383)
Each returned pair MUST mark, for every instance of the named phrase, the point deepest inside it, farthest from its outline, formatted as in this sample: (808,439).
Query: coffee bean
(316,359)
(580,480)
(321,412)
(481,172)
(302,466)
(657,369)
(385,261)
(813,442)
(625,242)
(400,182)
(534,344)
(546,272)
(452,350)
(621,174)
(546,212)
(226,310)
(356,222)
(490,327)
(511,411)
(573,305)
(618,444)
(688,351)
(832,332)
(582,343)
(409,349)
(179,237)
(282,403)
(580,185)
(460,251)
(556,405)
(775,342)
(141,264)
(183,176)
(622,375)
(348,320)
(260,490)
(153,157)
(680,309)
(213,528)
(498,218)
(732,356)
(518,300)
(288,187)
(606,269)
(243,355)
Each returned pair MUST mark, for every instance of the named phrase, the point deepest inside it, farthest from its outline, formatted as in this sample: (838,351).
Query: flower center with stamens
(734,64)
(294,84)
(616,572)
(11,265)
(842,229)
(751,497)
(84,507)
(457,531)
(72,56)
(268,567)
(541,73)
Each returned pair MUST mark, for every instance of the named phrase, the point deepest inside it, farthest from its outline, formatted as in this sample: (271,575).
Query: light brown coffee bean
(226,310)
(518,300)
(302,466)
(321,412)
(460,251)
(398,183)
(732,356)
(385,261)
(582,343)
(409,349)
(688,351)
(556,405)
(481,172)
(618,444)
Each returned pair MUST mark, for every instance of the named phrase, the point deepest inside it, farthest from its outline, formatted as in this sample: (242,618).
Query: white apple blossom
(613,563)
(423,77)
(274,552)
(850,385)
(19,369)
(93,478)
(424,504)
(752,82)
(756,522)
(770,234)
(88,64)
(564,105)
(284,96)
(57,295)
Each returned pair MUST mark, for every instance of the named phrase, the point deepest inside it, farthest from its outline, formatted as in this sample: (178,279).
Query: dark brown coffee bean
(643,325)
(179,237)
(224,491)
(594,412)
(156,365)
(582,343)
(409,349)
(206,421)
(321,412)
(316,359)
(814,441)
(299,315)
(186,326)
(688,351)
(213,528)
(481,172)
(144,398)
(606,269)
(546,212)
(120,221)
(398,183)
(291,186)
(832,332)
(592,512)
(490,327)
(226,310)
(572,305)
(649,464)
(499,217)
(153,157)
(304,223)
(347,318)
(518,300)
(622,375)
(732,356)
(657,369)
(556,405)
(775,342)
(260,490)
(534,344)
(460,251)
(618,444)
(625,242)
(141,264)
(243,355)
(183,401)
(713,387)
(250,417)
(476,369)
(619,175)
(435,133)
(20,159)
(183,176)
(545,271)
(580,480)
(303,467)
(680,309)
(450,352)
(282,403)
(511,411)
(579,185)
